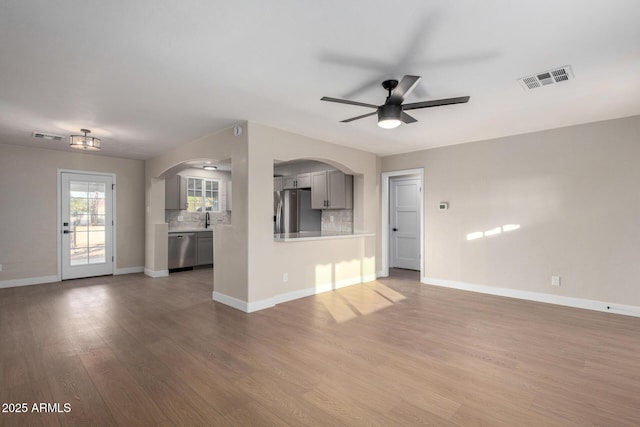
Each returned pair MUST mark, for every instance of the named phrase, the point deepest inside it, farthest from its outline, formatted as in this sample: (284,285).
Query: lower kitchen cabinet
(190,249)
(205,248)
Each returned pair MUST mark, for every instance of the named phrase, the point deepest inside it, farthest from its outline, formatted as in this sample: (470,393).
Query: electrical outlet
(555,280)
(180,218)
(285,277)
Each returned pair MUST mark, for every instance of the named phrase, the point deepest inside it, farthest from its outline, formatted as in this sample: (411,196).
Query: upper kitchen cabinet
(302,180)
(175,192)
(331,189)
(319,190)
(288,182)
(278,184)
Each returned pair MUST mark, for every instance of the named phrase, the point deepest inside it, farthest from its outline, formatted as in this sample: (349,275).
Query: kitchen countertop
(317,235)
(190,230)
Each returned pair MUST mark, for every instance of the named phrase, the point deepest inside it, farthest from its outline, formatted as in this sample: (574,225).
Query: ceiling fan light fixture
(389,116)
(84,142)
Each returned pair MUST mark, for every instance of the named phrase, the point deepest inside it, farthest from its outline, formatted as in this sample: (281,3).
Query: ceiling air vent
(546,78)
(46,136)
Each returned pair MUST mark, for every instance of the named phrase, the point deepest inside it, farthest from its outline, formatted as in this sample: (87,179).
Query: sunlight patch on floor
(359,300)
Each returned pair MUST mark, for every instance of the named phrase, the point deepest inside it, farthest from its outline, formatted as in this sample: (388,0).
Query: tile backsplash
(192,220)
(337,220)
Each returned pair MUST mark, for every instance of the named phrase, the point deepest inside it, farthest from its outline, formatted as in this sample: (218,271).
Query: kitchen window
(203,195)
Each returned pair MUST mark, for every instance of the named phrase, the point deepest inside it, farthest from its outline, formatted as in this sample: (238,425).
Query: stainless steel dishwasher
(182,250)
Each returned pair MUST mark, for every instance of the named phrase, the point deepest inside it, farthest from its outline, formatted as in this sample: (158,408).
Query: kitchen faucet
(207,220)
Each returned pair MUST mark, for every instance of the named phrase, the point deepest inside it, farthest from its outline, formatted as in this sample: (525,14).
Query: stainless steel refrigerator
(292,212)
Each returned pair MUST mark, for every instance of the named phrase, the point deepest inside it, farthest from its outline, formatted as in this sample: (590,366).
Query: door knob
(395,229)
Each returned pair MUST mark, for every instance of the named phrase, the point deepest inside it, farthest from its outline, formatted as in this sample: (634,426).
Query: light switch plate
(555,280)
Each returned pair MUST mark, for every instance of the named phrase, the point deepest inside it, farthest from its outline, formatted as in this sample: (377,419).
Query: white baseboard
(260,305)
(307,292)
(28,281)
(242,305)
(249,307)
(128,270)
(340,284)
(156,274)
(302,293)
(369,278)
(381,274)
(607,307)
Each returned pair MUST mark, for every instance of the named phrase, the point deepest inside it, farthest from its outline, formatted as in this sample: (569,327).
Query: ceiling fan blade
(346,101)
(407,118)
(403,89)
(359,117)
(436,103)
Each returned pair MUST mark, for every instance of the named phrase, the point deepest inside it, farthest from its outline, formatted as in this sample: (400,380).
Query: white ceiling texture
(147,75)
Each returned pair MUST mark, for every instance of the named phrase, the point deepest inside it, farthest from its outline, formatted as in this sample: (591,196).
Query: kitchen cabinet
(277,184)
(175,192)
(288,182)
(331,189)
(205,248)
(190,249)
(319,190)
(302,180)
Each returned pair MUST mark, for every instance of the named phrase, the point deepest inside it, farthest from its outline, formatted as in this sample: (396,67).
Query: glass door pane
(87,228)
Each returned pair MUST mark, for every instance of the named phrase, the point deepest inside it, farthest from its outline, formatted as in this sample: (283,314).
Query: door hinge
(112,223)
(113,186)
(112,258)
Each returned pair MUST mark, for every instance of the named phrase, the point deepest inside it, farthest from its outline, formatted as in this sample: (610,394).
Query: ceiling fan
(392,112)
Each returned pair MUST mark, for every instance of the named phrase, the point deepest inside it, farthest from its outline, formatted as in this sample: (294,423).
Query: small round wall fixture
(237,130)
(84,142)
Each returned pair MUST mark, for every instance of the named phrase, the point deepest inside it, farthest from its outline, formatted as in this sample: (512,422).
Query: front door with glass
(87,225)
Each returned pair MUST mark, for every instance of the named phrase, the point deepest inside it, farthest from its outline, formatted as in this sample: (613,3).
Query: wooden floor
(130,350)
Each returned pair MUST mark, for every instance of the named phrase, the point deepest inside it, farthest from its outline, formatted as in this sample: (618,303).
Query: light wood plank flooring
(130,350)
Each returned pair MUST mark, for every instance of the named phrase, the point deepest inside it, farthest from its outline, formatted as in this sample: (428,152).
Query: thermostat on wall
(443,206)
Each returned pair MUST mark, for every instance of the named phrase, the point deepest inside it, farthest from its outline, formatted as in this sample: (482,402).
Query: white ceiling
(147,75)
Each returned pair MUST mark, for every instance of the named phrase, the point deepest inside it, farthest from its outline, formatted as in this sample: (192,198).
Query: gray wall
(28,216)
(574,192)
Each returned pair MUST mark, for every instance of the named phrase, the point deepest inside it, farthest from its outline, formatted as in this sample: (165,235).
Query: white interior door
(404,216)
(87,225)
